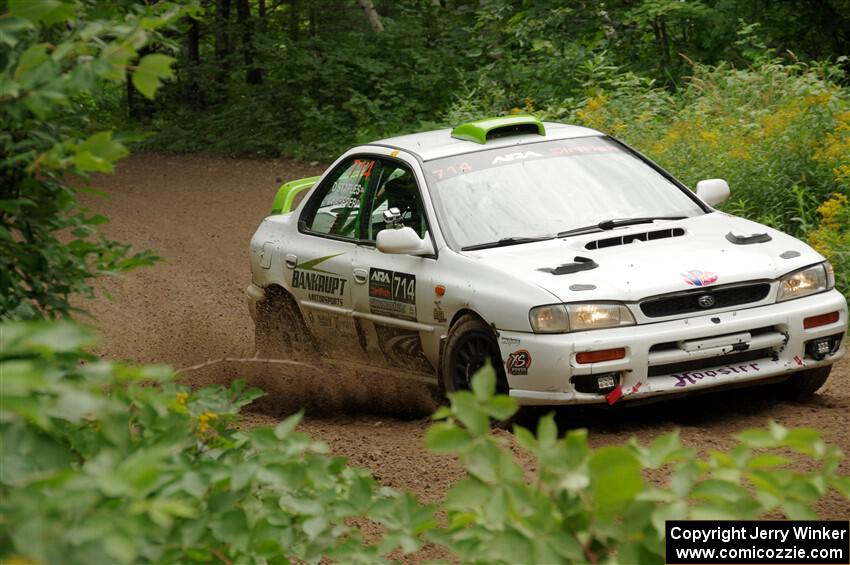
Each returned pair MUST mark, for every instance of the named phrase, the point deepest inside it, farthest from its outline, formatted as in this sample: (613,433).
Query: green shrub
(585,505)
(779,133)
(52,56)
(106,463)
(103,462)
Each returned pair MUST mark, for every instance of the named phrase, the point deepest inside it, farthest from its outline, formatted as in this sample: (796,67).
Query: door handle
(291,260)
(361,276)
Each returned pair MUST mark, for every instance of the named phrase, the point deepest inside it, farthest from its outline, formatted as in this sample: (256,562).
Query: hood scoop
(629,238)
(578,264)
(748,239)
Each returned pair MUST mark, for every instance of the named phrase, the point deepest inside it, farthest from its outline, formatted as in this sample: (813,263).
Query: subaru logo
(705,301)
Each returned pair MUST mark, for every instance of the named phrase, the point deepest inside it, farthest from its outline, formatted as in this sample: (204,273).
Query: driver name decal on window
(340,202)
(392,294)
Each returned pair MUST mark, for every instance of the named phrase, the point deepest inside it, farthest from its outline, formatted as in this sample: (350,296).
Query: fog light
(601,355)
(605,382)
(595,384)
(823,346)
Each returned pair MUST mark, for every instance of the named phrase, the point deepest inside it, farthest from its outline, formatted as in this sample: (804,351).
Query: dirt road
(199,212)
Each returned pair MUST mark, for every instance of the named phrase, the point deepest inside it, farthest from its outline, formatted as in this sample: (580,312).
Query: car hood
(702,255)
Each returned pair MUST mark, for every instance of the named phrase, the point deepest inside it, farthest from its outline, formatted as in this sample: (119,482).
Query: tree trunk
(294,19)
(193,42)
(222,33)
(372,15)
(190,79)
(253,75)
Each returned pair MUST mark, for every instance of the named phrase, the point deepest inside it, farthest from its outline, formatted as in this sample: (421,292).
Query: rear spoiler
(285,197)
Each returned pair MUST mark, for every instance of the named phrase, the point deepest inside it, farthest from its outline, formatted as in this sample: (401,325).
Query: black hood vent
(628,238)
(578,264)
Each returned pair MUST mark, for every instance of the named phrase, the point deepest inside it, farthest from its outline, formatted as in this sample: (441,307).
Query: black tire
(279,330)
(470,343)
(804,384)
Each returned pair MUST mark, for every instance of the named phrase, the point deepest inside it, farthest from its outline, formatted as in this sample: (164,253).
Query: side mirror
(713,191)
(403,241)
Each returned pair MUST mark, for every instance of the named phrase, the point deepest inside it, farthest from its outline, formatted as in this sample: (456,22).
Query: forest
(114,458)
(752,91)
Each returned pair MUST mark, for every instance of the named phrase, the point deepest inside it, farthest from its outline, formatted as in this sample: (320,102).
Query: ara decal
(699,278)
(392,294)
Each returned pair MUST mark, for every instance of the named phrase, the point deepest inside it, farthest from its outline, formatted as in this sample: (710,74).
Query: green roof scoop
(480,131)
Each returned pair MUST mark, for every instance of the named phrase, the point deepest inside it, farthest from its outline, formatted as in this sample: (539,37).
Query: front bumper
(715,350)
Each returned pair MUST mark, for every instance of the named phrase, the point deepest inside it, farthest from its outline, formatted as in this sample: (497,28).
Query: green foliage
(107,463)
(104,462)
(832,236)
(586,505)
(779,133)
(54,54)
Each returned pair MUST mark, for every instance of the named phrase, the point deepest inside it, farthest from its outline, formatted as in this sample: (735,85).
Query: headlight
(549,319)
(560,318)
(811,280)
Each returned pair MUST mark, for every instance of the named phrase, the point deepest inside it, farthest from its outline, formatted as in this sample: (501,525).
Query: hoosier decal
(685,379)
(392,294)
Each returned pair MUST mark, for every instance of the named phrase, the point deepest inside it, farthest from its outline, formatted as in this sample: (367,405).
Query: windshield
(541,189)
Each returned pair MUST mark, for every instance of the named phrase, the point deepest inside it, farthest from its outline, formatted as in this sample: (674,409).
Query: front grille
(699,364)
(689,301)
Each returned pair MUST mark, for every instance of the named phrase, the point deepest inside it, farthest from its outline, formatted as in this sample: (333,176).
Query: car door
(321,271)
(393,295)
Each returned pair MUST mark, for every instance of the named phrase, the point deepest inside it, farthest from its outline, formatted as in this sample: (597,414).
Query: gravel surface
(198,212)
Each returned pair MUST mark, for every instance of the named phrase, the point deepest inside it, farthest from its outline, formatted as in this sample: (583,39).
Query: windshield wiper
(615,223)
(505,241)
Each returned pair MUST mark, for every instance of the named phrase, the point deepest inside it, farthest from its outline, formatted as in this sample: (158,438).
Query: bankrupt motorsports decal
(324,286)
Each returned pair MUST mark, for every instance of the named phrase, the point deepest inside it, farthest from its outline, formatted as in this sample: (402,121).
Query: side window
(396,188)
(336,208)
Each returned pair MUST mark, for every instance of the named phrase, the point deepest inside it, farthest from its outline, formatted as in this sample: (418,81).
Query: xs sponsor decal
(392,294)
(691,378)
(519,362)
(403,349)
(699,278)
(323,286)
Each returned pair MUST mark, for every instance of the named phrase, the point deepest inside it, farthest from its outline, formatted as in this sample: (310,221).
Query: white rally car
(581,269)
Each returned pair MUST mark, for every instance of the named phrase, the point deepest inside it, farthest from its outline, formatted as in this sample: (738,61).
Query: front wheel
(470,344)
(803,384)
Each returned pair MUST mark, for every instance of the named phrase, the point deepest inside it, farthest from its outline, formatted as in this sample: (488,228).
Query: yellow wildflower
(832,210)
(182,397)
(204,421)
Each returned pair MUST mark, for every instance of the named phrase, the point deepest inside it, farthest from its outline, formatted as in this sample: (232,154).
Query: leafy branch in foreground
(53,55)
(594,505)
(103,462)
